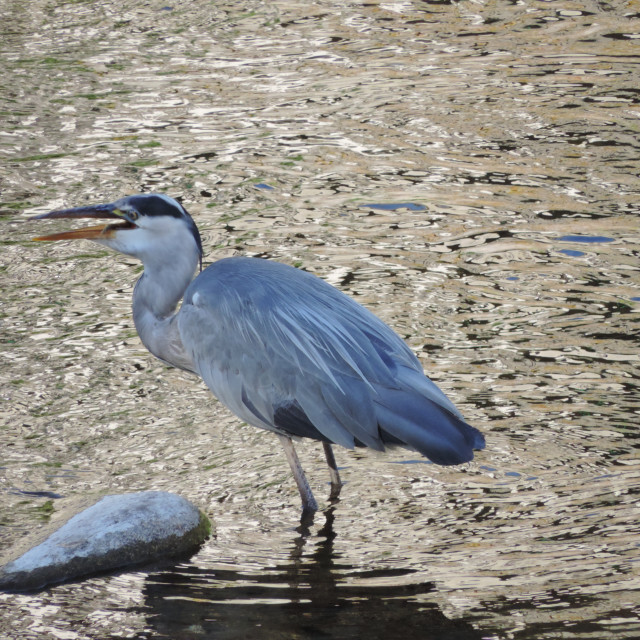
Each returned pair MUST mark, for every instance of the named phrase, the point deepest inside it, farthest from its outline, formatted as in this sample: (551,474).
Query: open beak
(102,211)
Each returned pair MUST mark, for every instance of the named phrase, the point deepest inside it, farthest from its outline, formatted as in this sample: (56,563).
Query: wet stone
(115,532)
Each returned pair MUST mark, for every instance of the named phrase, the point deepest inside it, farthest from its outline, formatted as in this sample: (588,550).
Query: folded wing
(288,352)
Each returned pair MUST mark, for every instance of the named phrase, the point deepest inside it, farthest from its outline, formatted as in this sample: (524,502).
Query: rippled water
(469,171)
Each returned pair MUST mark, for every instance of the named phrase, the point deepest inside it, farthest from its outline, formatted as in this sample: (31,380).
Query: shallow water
(468,171)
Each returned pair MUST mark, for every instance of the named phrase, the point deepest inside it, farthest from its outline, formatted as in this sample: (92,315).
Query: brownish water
(511,130)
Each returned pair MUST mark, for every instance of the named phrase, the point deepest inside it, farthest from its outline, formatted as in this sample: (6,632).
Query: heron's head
(147,226)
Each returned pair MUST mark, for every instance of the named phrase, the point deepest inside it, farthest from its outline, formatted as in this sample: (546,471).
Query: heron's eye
(133,215)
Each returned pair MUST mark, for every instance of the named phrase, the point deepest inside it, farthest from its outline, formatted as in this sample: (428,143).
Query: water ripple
(468,172)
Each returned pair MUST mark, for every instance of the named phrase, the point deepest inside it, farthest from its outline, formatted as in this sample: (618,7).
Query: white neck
(155,298)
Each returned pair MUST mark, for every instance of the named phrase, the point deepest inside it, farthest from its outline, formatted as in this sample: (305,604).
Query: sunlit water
(468,171)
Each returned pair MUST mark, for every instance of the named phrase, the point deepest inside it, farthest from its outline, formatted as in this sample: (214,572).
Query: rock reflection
(310,595)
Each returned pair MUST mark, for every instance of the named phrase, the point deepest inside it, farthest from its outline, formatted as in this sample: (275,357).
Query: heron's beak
(103,211)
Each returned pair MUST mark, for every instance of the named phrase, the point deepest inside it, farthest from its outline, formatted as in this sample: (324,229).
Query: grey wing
(287,352)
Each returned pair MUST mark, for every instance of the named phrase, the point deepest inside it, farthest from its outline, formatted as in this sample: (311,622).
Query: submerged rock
(117,531)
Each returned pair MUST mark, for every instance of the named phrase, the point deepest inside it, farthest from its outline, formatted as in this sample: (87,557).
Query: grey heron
(281,348)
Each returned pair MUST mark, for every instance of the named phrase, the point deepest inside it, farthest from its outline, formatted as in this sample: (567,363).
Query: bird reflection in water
(310,595)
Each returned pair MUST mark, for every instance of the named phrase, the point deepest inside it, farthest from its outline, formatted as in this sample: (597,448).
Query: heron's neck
(155,298)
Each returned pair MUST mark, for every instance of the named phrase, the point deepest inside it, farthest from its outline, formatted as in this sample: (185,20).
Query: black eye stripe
(153,205)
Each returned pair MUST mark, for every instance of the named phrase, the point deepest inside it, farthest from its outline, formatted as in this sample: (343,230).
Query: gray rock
(116,531)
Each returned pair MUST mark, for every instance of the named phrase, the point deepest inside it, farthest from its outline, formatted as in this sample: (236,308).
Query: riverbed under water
(466,170)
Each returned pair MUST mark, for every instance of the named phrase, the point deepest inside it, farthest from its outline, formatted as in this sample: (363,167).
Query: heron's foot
(309,504)
(306,522)
(336,482)
(334,494)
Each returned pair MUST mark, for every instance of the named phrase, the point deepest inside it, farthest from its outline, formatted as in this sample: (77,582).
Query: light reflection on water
(430,159)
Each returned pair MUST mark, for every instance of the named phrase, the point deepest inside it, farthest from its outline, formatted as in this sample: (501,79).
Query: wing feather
(288,352)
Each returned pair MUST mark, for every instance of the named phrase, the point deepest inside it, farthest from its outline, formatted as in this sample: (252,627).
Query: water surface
(430,159)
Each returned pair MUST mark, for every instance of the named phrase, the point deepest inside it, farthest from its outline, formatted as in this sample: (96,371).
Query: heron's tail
(406,418)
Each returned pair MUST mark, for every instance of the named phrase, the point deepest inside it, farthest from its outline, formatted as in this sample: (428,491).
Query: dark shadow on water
(308,596)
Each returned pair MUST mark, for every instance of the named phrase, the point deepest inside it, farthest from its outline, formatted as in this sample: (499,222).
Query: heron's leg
(308,501)
(336,483)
